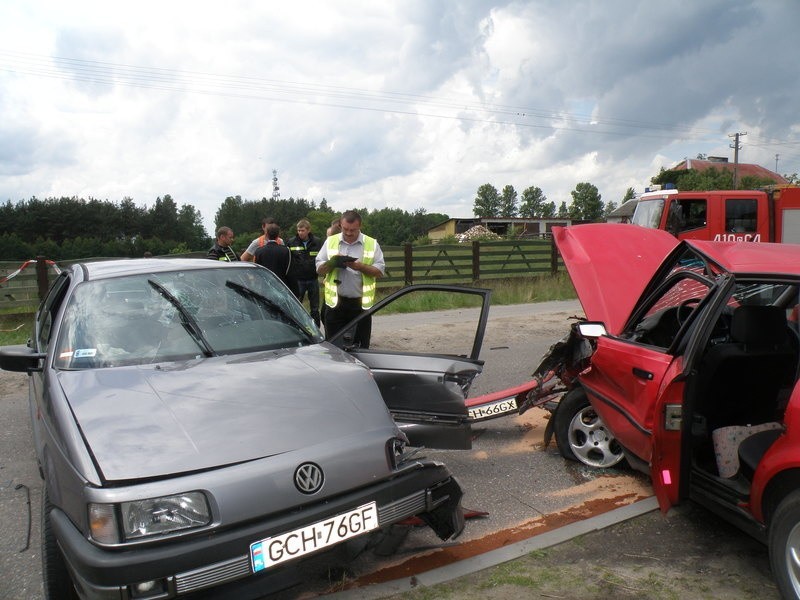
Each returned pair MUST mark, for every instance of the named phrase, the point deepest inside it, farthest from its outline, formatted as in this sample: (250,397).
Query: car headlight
(394,450)
(153,516)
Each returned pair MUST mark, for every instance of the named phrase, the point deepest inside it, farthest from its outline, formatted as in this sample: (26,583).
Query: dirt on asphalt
(686,554)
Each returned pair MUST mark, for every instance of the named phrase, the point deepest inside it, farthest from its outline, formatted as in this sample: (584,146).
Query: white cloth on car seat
(726,445)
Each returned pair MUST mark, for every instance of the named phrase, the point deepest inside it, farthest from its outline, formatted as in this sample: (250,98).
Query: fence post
(553,256)
(41,277)
(476,260)
(408,264)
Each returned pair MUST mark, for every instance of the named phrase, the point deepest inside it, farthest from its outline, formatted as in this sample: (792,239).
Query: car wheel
(784,545)
(55,576)
(581,435)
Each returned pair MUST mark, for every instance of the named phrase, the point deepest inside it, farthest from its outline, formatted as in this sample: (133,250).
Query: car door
(425,385)
(636,381)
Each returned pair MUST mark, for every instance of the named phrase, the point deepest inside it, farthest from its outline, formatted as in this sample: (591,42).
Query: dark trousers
(310,286)
(345,311)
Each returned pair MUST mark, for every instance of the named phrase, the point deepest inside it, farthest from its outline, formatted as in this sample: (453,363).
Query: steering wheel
(685,309)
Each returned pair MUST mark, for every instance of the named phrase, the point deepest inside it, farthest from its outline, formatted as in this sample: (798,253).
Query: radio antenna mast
(276,191)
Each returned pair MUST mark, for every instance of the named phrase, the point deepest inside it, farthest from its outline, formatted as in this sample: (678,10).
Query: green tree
(609,208)
(230,214)
(586,204)
(191,231)
(549,210)
(691,180)
(563,211)
(487,201)
(390,226)
(533,202)
(320,221)
(422,221)
(12,247)
(508,202)
(163,218)
(630,194)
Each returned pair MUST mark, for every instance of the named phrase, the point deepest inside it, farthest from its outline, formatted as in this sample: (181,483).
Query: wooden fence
(405,265)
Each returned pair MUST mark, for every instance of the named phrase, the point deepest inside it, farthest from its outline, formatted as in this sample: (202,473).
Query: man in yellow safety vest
(351,263)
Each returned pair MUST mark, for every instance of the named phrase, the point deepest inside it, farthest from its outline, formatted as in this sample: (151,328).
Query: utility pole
(736,148)
(276,191)
(776,162)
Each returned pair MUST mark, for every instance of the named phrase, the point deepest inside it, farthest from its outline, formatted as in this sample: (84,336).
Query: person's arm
(249,255)
(321,261)
(376,269)
(370,270)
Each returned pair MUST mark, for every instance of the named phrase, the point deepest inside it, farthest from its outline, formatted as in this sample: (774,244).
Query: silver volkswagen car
(195,432)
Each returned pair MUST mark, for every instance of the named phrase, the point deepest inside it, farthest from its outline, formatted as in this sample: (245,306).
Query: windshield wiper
(272,306)
(189,323)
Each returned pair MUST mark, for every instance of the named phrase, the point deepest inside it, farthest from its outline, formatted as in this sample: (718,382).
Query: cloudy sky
(408,104)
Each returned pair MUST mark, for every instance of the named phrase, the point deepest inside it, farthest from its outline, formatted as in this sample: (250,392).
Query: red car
(687,366)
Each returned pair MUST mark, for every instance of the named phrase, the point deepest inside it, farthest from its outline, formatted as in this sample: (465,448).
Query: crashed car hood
(610,264)
(157,420)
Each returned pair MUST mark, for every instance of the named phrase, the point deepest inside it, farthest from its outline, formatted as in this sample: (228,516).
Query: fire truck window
(740,215)
(694,211)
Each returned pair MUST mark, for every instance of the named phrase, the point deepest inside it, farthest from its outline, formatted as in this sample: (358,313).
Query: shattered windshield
(180,315)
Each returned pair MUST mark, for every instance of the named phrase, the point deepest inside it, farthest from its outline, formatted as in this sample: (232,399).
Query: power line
(172,80)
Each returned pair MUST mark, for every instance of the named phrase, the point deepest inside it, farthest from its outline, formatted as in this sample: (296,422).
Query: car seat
(740,381)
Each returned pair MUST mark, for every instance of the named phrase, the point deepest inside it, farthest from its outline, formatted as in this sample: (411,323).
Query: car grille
(236,568)
(400,509)
(215,574)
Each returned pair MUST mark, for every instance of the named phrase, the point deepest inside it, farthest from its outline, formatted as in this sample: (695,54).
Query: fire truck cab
(723,215)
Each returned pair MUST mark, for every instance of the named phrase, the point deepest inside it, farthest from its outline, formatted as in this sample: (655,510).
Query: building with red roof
(721,163)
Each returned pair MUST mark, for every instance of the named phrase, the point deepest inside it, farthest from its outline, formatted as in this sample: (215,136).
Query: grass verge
(15,325)
(504,291)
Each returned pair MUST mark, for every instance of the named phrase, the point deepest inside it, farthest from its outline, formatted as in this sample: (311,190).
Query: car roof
(752,258)
(117,268)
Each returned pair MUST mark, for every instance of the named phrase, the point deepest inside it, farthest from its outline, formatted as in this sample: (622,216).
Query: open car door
(424,384)
(636,382)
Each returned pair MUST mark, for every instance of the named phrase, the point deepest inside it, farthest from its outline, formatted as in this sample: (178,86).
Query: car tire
(784,545)
(55,576)
(581,435)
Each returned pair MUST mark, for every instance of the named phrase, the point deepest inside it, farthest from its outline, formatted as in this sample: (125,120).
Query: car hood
(610,264)
(157,420)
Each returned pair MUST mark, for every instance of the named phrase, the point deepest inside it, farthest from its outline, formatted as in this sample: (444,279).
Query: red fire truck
(771,215)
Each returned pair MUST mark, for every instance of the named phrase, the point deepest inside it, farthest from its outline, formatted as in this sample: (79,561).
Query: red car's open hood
(610,264)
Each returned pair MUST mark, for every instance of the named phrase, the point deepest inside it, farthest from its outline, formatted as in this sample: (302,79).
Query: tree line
(587,204)
(72,228)
(66,228)
(391,226)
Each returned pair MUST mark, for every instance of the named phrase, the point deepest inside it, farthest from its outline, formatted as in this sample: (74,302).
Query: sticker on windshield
(85,353)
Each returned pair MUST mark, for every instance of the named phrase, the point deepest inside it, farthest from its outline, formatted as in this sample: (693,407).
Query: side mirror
(591,329)
(20,358)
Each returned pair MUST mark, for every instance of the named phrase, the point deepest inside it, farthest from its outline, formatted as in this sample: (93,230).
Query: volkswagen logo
(308,478)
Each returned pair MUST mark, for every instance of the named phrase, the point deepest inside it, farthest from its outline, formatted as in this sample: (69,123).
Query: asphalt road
(523,487)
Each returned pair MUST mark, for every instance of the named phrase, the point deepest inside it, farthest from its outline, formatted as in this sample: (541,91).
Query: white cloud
(410,105)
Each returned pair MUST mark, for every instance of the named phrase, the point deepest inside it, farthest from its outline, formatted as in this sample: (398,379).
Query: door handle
(642,374)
